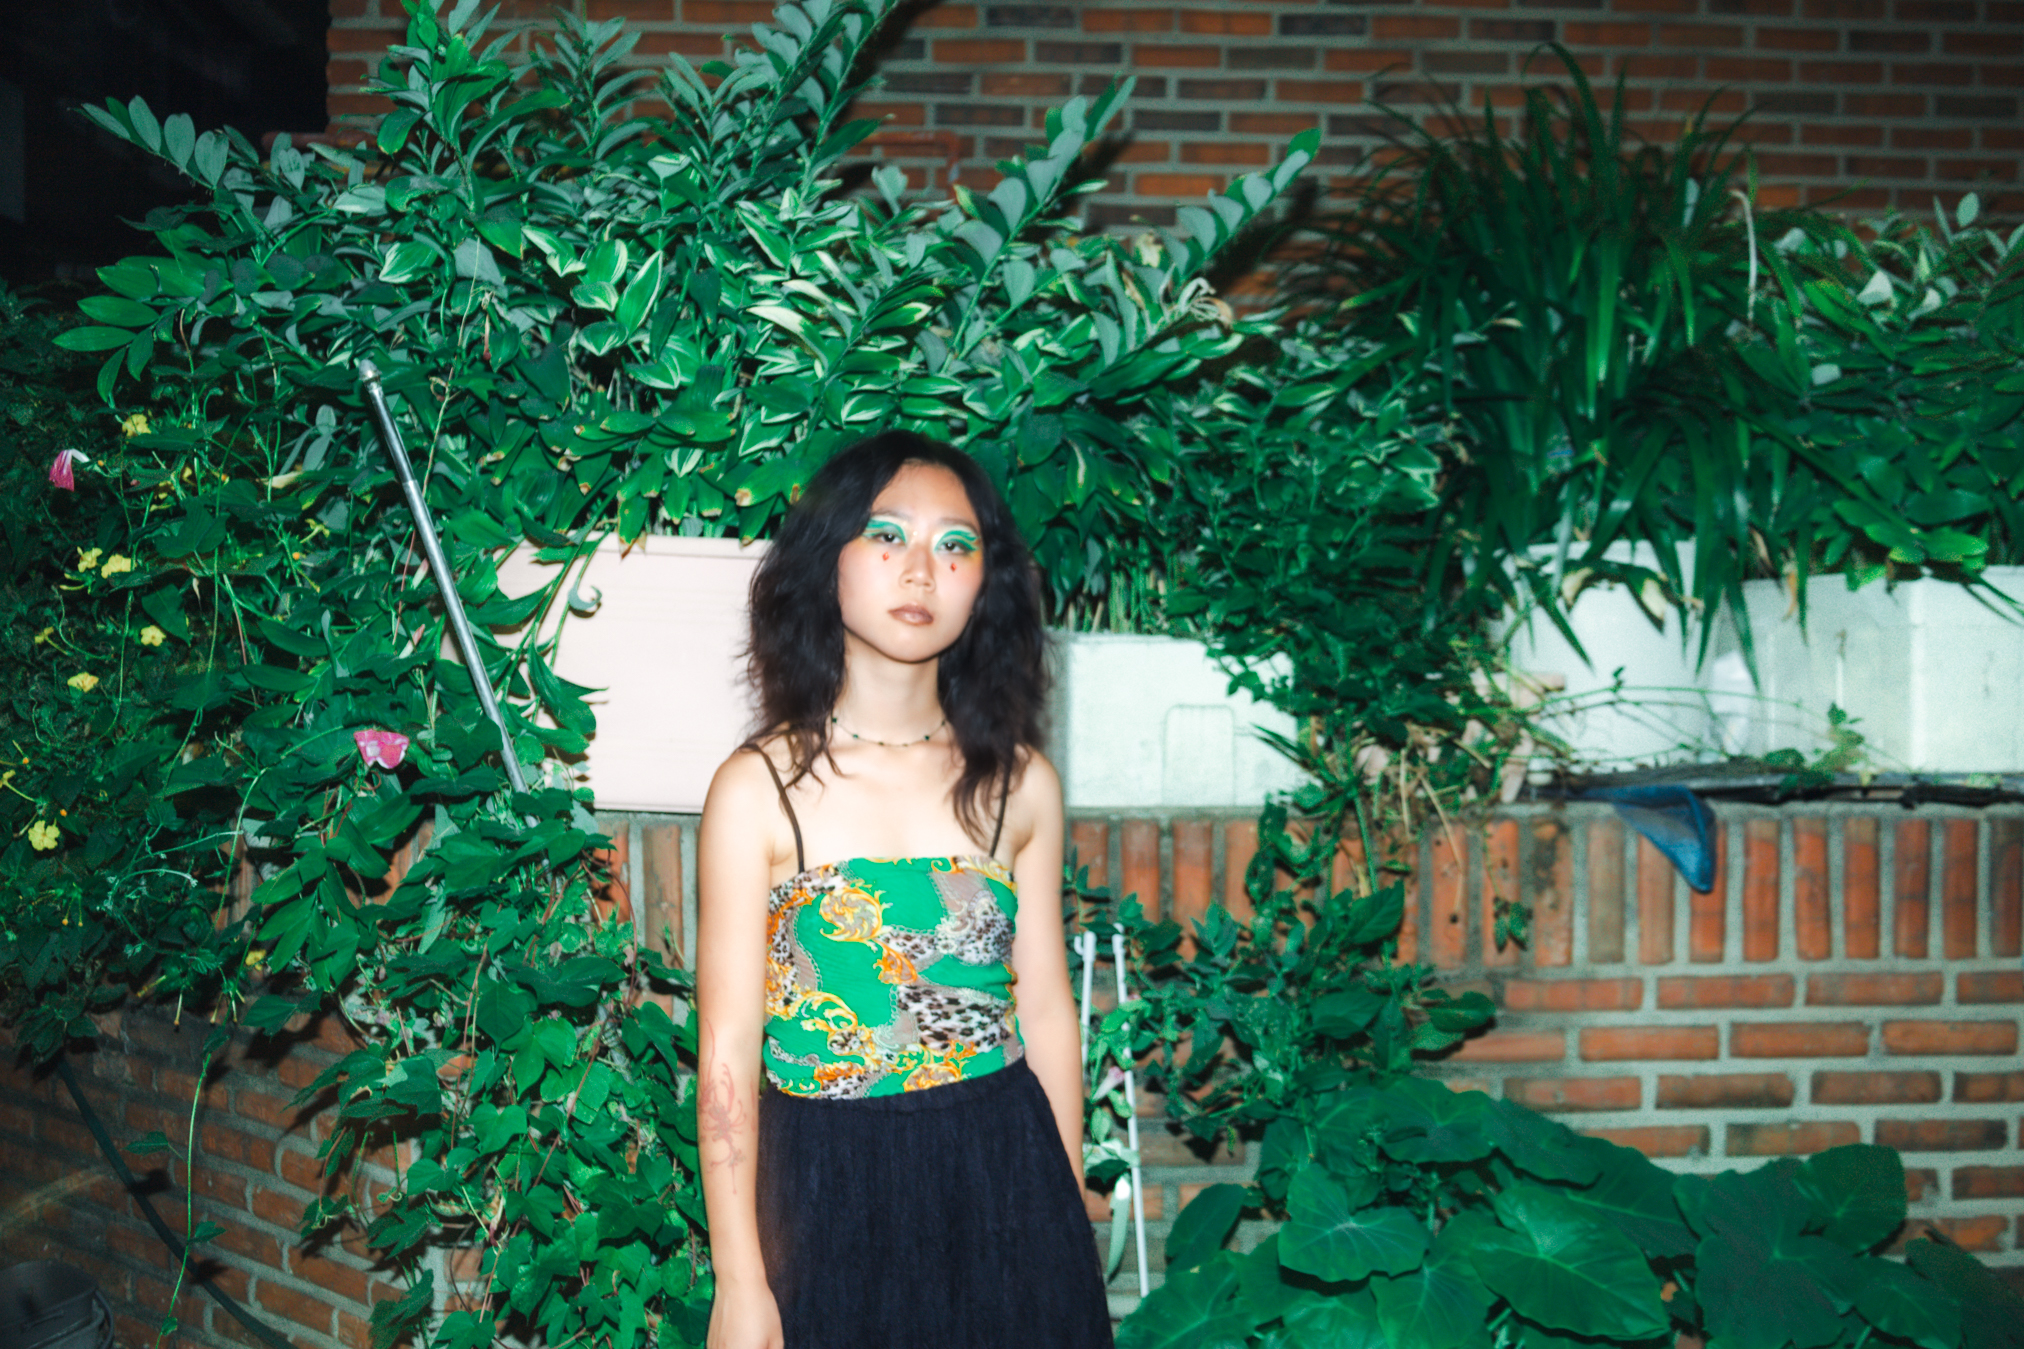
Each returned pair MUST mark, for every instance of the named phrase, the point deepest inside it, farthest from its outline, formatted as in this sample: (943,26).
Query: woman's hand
(745,1319)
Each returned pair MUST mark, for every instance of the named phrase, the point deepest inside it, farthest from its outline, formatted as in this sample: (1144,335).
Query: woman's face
(908,582)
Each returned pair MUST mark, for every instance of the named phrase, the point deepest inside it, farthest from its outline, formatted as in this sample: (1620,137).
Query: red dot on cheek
(885,557)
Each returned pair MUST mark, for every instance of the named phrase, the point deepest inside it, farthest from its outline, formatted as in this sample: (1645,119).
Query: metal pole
(1138,1180)
(439,566)
(1085,946)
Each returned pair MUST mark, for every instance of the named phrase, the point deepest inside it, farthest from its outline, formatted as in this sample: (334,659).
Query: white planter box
(1663,715)
(1149,722)
(1136,722)
(1933,675)
(666,646)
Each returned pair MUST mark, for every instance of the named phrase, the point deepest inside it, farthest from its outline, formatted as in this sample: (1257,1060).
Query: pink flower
(60,472)
(383,748)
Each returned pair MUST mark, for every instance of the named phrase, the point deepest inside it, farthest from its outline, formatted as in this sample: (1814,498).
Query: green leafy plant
(1592,313)
(1296,536)
(1304,991)
(1905,371)
(589,322)
(106,889)
(1408,1214)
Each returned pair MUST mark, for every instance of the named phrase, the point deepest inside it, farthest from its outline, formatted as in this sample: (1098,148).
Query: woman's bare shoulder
(1038,781)
(1035,809)
(742,818)
(743,783)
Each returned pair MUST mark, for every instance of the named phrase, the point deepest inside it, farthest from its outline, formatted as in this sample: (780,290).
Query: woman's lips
(912,613)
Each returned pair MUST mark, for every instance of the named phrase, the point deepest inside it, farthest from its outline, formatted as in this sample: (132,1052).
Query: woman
(878,869)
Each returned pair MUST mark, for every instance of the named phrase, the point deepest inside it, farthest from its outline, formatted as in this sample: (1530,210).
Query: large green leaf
(409,260)
(503,1010)
(1442,1305)
(1435,1123)
(1544,1147)
(1992,1315)
(1635,1194)
(116,310)
(1204,1225)
(1376,916)
(1197,1309)
(1568,1268)
(1262,1282)
(1330,1235)
(1858,1194)
(1907,1307)
(1335,1321)
(1761,1283)
(93,339)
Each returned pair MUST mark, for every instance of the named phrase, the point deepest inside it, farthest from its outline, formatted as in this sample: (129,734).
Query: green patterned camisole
(888,975)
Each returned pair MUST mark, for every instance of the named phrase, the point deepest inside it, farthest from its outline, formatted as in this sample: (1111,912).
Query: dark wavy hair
(992,681)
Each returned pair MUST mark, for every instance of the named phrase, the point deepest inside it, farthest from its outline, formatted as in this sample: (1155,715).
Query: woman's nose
(919,565)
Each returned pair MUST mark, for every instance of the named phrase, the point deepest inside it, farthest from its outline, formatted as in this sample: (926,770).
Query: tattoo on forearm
(722,1117)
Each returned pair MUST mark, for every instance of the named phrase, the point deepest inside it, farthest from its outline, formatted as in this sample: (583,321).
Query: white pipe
(1085,946)
(1138,1186)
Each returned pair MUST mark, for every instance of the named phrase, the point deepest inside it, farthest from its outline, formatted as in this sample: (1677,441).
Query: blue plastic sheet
(1678,823)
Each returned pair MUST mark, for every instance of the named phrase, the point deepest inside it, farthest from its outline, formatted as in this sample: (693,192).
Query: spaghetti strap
(1004,799)
(800,857)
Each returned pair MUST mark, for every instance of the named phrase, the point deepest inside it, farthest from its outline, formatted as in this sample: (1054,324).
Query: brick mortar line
(1799,1012)
(297,1284)
(1785,966)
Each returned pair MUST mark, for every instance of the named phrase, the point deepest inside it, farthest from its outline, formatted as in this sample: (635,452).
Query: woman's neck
(887,700)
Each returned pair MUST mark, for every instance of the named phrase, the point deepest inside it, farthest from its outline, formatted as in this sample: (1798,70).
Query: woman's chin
(911,646)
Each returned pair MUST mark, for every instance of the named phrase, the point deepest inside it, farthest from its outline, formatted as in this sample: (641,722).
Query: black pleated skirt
(939,1219)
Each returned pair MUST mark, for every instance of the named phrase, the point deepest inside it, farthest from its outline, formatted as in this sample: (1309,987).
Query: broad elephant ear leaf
(1557,1265)
(1858,1194)
(1435,1123)
(1332,1236)
(1441,1305)
(1992,1316)
(1345,1321)
(1761,1282)
(1907,1306)
(1636,1196)
(1195,1310)
(1204,1225)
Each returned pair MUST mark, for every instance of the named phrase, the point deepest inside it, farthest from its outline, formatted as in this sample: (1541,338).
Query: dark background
(67,187)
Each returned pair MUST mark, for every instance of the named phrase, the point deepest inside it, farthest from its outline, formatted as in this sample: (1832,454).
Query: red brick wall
(1856,975)
(1877,102)
(256,1171)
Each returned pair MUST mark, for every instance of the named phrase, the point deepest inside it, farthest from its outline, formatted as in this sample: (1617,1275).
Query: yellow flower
(83,683)
(44,635)
(87,558)
(255,959)
(136,425)
(114,565)
(42,837)
(152,635)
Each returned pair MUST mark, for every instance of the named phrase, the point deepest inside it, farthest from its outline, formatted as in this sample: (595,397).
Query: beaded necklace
(888,744)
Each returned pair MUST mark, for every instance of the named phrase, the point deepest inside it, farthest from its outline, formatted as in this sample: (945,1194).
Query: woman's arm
(1047,1014)
(731,885)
